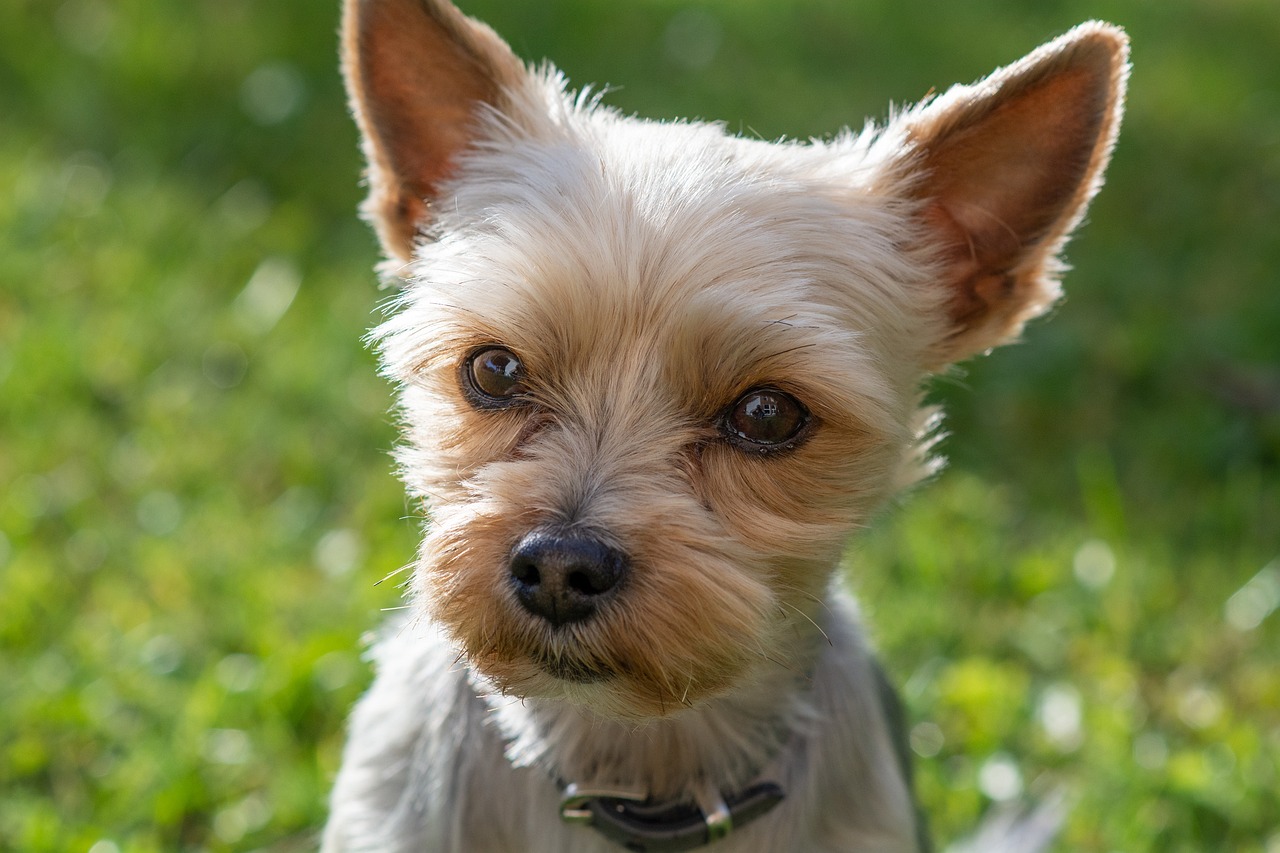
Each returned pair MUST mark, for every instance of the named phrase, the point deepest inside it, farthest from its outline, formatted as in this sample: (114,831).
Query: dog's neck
(725,742)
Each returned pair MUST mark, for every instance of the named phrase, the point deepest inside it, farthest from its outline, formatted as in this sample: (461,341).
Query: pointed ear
(1005,169)
(417,72)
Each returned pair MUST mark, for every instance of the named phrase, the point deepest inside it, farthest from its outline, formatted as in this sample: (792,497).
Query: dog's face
(653,376)
(666,354)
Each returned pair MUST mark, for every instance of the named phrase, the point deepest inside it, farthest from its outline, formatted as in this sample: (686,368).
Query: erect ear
(1007,167)
(417,72)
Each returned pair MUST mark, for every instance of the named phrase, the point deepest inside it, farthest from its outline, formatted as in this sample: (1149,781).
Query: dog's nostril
(525,571)
(581,582)
(564,578)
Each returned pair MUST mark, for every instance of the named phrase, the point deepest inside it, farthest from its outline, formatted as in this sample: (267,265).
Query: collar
(643,825)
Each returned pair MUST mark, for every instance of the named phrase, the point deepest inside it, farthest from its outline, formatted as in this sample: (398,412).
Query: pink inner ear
(1005,180)
(1008,168)
(422,90)
(417,72)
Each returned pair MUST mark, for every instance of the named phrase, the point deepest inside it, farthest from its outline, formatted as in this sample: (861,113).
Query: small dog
(653,376)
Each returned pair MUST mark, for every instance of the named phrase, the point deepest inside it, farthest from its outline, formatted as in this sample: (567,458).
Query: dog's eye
(493,377)
(765,419)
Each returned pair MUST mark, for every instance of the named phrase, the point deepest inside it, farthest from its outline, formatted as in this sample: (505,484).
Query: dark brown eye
(765,419)
(493,377)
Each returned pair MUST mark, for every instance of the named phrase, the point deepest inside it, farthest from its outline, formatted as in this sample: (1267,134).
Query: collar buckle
(575,802)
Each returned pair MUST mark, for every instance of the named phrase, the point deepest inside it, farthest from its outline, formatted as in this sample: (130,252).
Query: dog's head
(653,375)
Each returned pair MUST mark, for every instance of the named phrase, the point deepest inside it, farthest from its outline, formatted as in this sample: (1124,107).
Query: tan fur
(648,275)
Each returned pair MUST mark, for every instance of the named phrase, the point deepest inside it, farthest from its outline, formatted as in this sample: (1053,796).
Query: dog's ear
(1005,170)
(418,72)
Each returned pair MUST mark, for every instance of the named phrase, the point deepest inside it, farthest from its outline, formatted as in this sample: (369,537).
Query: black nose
(564,577)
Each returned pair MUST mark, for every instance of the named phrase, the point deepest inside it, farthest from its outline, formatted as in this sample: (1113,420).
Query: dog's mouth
(573,670)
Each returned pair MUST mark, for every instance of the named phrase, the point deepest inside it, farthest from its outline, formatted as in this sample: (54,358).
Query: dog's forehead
(640,210)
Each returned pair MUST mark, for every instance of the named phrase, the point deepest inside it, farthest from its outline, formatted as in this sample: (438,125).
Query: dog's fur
(648,276)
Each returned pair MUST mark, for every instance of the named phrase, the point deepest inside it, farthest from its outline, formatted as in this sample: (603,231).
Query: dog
(652,377)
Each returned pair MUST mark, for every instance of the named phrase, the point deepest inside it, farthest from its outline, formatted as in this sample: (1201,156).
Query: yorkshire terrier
(652,377)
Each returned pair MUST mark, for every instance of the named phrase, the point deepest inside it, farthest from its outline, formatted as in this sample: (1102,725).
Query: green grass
(196,500)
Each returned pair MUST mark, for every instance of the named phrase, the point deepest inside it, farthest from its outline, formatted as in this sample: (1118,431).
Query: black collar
(643,825)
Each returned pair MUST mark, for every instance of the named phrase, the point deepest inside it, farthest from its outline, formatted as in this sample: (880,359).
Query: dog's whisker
(391,574)
(816,599)
(778,354)
(808,619)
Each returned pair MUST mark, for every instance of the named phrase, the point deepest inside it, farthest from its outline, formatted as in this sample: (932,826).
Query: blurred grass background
(196,499)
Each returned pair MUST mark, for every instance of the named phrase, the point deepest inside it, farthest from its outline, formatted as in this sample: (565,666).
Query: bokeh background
(196,498)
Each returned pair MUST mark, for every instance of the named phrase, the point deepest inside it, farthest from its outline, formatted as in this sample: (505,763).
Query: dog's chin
(588,685)
(575,672)
(541,675)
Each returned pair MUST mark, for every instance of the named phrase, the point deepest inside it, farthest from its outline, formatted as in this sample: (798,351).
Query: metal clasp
(715,813)
(573,803)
